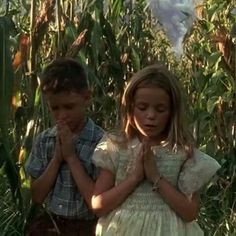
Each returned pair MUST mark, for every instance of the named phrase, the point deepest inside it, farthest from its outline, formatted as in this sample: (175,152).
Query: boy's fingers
(63,134)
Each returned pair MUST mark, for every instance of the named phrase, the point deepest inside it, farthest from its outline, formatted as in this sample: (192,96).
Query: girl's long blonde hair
(160,76)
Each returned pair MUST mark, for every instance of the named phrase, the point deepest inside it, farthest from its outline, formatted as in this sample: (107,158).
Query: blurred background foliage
(113,39)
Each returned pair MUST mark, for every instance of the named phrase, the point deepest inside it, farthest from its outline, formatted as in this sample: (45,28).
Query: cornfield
(113,39)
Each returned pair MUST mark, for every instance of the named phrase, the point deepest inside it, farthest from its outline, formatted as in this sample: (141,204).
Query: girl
(150,174)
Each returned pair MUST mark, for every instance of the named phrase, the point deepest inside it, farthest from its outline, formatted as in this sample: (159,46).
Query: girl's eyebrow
(141,102)
(146,103)
(161,105)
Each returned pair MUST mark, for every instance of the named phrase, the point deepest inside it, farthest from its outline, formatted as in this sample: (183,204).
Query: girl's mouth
(150,126)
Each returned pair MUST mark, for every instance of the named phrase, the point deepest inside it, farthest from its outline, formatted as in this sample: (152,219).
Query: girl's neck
(160,140)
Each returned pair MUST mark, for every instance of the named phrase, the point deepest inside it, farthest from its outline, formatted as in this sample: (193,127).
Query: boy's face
(69,108)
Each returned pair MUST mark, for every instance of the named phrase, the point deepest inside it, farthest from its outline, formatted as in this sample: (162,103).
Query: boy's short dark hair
(63,74)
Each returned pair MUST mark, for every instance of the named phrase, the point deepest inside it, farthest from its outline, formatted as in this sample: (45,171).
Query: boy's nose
(62,115)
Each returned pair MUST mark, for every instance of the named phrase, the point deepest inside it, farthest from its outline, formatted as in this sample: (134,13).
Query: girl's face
(151,113)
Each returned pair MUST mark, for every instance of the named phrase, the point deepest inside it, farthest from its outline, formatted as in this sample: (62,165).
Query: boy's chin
(75,129)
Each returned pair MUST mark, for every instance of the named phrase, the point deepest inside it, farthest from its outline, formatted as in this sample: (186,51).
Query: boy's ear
(87,95)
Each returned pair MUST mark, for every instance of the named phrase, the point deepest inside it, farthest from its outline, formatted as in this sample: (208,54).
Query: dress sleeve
(106,155)
(197,172)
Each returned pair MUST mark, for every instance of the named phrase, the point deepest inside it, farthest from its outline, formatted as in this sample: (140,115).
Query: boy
(60,167)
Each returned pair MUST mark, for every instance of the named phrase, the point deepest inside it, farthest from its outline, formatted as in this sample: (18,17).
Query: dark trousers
(46,225)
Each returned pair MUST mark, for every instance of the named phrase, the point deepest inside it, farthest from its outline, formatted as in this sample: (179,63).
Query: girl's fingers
(57,141)
(146,150)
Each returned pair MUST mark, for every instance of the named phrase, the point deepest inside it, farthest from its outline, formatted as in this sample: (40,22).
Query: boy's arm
(84,183)
(41,186)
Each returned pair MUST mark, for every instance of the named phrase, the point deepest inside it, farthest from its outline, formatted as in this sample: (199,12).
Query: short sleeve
(34,164)
(197,172)
(106,154)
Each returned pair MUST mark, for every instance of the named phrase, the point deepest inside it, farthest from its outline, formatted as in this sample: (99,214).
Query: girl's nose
(150,114)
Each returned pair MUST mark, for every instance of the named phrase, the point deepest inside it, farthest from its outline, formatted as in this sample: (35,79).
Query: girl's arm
(186,207)
(107,196)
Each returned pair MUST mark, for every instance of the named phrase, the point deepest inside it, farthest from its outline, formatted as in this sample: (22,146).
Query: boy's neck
(80,126)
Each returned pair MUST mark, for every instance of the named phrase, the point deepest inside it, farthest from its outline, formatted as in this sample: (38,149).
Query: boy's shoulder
(92,131)
(97,127)
(46,134)
(49,132)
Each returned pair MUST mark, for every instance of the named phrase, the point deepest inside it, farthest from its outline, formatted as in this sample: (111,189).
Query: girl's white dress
(144,212)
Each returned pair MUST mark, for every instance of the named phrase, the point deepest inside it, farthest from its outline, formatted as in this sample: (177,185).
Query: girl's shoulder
(114,139)
(202,160)
(197,171)
(107,152)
